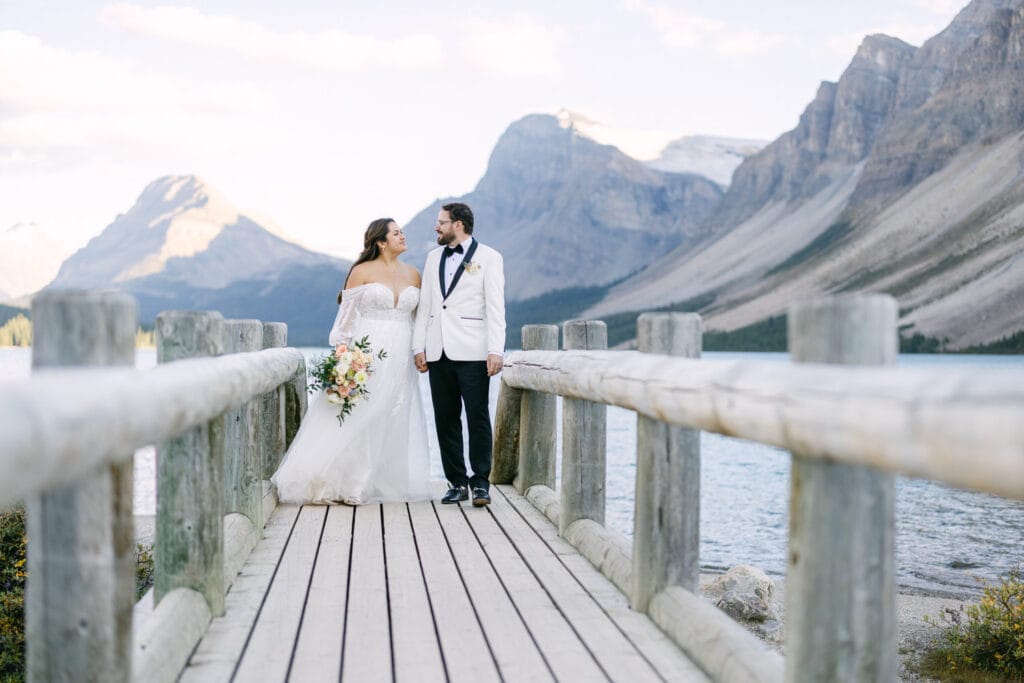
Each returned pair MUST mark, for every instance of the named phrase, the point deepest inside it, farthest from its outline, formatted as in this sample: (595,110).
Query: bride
(379,454)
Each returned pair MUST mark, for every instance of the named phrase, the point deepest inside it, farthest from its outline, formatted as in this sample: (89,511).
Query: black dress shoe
(481,497)
(455,494)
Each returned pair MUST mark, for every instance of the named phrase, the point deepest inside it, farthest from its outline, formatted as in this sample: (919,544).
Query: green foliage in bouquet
(343,375)
(983,638)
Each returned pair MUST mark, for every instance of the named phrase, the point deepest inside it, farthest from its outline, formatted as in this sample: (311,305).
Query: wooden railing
(849,430)
(67,435)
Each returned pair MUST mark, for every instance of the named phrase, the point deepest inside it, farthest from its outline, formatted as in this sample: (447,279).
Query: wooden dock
(533,587)
(428,592)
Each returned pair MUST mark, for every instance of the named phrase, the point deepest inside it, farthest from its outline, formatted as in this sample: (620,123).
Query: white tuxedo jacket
(469,322)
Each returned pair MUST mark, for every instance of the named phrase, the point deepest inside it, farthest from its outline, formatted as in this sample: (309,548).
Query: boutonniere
(470,266)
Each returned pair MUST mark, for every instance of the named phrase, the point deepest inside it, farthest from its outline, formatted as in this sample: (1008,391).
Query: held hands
(494,363)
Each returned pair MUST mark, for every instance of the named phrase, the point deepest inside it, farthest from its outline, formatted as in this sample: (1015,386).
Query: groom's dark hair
(458,211)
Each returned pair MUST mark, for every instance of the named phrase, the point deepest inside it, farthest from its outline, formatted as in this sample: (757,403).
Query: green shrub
(12,594)
(143,569)
(982,638)
(13,572)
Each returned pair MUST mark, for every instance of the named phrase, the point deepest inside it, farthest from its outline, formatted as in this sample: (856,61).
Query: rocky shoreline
(914,634)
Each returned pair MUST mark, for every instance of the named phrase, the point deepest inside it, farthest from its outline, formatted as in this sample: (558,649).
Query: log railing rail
(68,434)
(849,429)
(222,422)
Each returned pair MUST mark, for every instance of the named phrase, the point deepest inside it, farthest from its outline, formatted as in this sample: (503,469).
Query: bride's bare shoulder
(360,274)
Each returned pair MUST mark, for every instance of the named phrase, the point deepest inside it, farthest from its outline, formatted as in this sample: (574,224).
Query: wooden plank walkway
(427,592)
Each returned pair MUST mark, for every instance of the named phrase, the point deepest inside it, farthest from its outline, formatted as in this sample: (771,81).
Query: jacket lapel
(440,273)
(468,256)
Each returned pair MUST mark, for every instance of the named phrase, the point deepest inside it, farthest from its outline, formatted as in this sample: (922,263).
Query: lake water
(946,538)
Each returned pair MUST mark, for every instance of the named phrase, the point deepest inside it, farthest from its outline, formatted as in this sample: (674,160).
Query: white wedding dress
(379,453)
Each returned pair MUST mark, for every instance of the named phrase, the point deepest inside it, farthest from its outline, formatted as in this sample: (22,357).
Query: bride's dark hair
(376,232)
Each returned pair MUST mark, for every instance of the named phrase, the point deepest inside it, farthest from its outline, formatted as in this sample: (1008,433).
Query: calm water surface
(946,538)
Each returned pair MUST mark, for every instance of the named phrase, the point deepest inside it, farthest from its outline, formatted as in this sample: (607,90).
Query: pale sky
(320,116)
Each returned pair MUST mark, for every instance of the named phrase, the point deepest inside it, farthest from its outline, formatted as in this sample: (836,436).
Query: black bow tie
(448,251)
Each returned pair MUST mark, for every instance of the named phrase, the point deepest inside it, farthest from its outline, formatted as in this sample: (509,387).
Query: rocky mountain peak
(183,229)
(600,213)
(978,98)
(835,132)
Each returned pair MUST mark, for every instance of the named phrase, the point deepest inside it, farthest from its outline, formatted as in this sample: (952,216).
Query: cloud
(61,104)
(518,47)
(691,31)
(328,49)
(947,8)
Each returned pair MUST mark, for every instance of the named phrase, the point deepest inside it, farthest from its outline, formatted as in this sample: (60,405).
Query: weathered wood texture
(584,442)
(190,476)
(81,553)
(728,652)
(723,648)
(505,453)
(427,592)
(295,403)
(537,419)
(271,435)
(609,551)
(243,463)
(840,584)
(105,414)
(916,421)
(164,639)
(666,524)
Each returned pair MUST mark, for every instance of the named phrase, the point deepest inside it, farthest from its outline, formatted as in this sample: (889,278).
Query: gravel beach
(915,634)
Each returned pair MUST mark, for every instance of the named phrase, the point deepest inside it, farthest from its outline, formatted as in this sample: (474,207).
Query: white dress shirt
(451,264)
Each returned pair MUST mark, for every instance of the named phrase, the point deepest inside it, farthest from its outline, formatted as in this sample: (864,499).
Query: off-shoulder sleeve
(347,320)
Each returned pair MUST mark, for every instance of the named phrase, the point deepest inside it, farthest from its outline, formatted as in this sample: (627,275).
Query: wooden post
(295,401)
(271,438)
(537,419)
(505,452)
(666,526)
(81,547)
(190,476)
(243,469)
(840,614)
(584,442)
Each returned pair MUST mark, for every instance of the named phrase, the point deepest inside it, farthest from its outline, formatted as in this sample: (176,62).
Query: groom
(460,337)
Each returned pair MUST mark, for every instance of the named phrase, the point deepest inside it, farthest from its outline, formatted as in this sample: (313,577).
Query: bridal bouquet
(342,375)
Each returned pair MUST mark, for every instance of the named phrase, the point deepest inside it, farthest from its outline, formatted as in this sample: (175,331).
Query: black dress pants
(454,384)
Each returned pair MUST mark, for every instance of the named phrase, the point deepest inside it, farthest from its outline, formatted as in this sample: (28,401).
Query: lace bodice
(372,301)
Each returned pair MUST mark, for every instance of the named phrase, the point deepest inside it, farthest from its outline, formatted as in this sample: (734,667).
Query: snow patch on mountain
(712,157)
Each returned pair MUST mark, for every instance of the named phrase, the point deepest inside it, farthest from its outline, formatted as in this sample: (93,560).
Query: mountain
(567,211)
(712,157)
(184,246)
(902,177)
(29,258)
(182,230)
